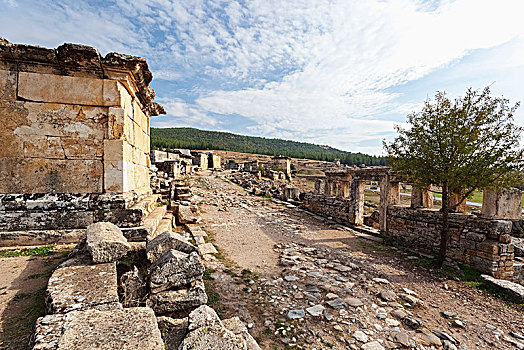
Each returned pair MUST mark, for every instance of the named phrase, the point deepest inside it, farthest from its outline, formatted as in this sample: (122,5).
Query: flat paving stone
(123,329)
(82,287)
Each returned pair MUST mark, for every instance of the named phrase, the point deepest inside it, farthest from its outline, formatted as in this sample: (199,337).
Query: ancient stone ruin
(482,242)
(75,168)
(75,142)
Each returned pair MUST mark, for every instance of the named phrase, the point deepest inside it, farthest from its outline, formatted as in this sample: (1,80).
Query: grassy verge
(38,251)
(28,304)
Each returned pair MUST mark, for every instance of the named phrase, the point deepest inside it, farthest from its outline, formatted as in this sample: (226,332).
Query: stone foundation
(334,207)
(74,142)
(483,244)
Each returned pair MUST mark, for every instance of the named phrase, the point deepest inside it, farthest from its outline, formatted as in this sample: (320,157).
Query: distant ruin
(482,242)
(74,148)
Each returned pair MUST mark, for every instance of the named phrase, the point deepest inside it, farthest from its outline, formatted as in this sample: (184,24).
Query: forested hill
(215,140)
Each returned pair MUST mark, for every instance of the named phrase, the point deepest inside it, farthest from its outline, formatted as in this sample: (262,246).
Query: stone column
(344,190)
(455,196)
(328,188)
(502,204)
(320,186)
(421,198)
(389,195)
(356,208)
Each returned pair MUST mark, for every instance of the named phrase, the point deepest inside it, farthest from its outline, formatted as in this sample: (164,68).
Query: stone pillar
(421,198)
(328,188)
(356,209)
(320,186)
(344,190)
(389,195)
(502,204)
(455,196)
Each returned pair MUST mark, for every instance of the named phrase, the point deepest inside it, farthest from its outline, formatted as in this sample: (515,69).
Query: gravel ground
(300,281)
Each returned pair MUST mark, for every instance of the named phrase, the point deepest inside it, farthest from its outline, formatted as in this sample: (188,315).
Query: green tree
(462,145)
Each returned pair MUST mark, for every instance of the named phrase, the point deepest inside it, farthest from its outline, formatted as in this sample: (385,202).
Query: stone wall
(481,243)
(74,141)
(73,121)
(336,208)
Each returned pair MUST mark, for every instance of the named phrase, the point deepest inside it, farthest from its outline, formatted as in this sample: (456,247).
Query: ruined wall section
(484,244)
(336,208)
(73,121)
(74,141)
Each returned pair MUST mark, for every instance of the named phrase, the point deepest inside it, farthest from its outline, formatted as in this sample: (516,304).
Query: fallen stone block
(126,329)
(105,242)
(173,331)
(196,230)
(175,269)
(514,289)
(207,248)
(236,326)
(179,300)
(134,288)
(166,241)
(82,287)
(204,316)
(208,332)
(186,214)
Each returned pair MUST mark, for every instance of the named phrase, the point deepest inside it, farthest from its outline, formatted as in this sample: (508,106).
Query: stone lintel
(76,60)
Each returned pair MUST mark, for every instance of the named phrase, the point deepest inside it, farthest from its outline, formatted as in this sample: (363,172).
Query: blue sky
(337,72)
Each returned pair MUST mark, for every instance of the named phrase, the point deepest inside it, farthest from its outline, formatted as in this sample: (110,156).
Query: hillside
(215,140)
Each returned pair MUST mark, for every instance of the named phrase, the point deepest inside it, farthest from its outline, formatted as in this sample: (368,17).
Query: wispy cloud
(325,71)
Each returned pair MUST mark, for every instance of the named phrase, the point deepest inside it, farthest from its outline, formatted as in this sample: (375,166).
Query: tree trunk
(444,231)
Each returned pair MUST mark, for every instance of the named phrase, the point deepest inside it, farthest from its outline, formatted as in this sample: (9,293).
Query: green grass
(207,275)
(38,251)
(470,277)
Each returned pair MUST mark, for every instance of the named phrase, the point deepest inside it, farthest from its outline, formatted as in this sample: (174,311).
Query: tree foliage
(462,145)
(215,140)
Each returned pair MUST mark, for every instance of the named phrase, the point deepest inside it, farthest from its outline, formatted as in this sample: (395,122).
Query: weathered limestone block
(179,300)
(421,198)
(207,248)
(51,175)
(53,88)
(40,237)
(502,204)
(173,331)
(175,269)
(292,193)
(456,201)
(236,326)
(7,82)
(166,241)
(186,214)
(208,332)
(134,288)
(82,287)
(126,329)
(514,289)
(106,243)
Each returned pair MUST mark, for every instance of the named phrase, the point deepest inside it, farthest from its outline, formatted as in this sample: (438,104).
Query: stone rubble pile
(207,331)
(83,303)
(111,294)
(175,274)
(323,294)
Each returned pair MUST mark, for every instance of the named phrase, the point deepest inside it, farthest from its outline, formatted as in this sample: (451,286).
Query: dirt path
(23,280)
(283,267)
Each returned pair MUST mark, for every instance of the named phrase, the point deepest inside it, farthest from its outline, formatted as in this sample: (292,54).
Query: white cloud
(325,71)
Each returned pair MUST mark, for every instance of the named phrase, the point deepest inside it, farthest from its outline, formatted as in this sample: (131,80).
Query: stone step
(196,230)
(147,205)
(149,226)
(129,328)
(152,221)
(166,224)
